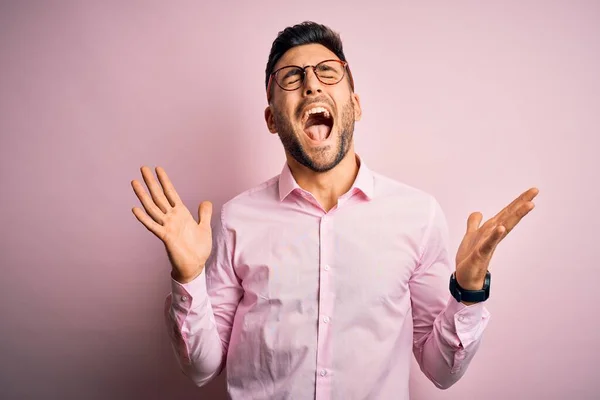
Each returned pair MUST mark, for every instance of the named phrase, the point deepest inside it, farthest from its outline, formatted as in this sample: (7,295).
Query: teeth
(317,110)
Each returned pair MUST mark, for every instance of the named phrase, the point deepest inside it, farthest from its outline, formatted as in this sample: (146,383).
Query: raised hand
(188,243)
(478,245)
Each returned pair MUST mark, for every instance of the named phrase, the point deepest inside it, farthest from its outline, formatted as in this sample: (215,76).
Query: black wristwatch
(471,296)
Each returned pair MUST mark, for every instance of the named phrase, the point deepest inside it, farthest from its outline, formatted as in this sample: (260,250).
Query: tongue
(317,132)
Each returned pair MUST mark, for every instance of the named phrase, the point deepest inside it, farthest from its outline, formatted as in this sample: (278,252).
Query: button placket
(326,301)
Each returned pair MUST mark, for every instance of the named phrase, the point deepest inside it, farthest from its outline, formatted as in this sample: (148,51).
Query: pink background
(472,102)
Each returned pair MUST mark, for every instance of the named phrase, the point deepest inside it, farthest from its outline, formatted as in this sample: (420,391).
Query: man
(321,282)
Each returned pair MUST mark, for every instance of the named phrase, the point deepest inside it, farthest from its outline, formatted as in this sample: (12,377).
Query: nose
(311,83)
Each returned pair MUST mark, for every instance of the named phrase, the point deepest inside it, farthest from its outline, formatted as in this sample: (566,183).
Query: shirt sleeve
(447,333)
(199,314)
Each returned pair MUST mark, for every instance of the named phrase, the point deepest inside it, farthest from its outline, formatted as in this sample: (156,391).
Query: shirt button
(326,319)
(461,318)
(326,268)
(184,298)
(323,372)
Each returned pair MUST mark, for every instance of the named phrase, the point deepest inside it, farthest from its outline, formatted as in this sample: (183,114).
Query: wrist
(187,278)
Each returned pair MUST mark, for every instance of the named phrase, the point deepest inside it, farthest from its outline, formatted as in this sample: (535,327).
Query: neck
(328,186)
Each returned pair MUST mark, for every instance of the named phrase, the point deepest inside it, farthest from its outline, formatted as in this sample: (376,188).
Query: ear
(270,120)
(357,108)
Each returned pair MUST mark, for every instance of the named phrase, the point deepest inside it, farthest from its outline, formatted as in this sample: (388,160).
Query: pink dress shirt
(299,303)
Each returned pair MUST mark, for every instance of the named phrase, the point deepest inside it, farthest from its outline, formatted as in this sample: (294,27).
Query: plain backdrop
(471,101)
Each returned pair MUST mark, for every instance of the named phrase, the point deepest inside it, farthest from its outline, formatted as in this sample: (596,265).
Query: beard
(290,139)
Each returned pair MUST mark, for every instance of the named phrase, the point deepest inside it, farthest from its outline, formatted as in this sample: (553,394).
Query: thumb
(473,221)
(204,212)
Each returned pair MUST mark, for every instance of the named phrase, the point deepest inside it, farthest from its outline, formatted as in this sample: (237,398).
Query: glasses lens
(330,72)
(289,78)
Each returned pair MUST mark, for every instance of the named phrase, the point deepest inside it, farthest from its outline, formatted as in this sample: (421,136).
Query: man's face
(316,121)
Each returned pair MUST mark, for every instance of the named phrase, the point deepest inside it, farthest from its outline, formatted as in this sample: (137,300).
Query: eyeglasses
(291,77)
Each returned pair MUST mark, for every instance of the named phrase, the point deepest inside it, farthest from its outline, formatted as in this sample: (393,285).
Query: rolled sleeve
(468,322)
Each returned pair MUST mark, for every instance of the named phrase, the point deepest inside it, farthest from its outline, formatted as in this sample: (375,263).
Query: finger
(473,221)
(521,211)
(526,196)
(148,222)
(489,244)
(156,191)
(205,213)
(531,194)
(168,187)
(151,208)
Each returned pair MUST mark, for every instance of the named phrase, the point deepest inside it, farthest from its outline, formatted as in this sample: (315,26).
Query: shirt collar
(362,183)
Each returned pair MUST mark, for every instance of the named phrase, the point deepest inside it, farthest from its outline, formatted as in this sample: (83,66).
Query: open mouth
(318,123)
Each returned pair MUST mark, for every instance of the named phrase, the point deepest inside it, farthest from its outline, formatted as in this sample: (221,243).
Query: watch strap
(471,296)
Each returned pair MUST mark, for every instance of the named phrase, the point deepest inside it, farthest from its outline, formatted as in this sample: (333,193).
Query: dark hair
(304,33)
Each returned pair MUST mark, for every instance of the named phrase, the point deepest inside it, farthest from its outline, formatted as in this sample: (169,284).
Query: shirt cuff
(188,296)
(469,322)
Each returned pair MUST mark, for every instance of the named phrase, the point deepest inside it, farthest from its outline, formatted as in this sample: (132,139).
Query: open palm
(188,243)
(479,243)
